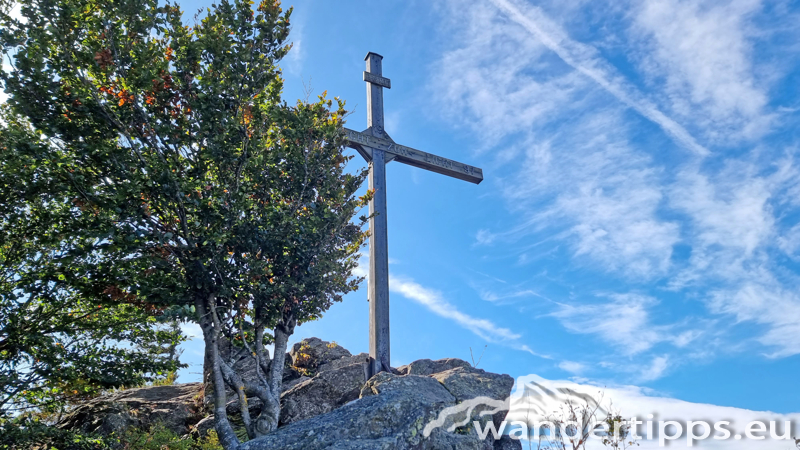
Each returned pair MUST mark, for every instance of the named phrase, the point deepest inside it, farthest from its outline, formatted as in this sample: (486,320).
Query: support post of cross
(375,145)
(378,239)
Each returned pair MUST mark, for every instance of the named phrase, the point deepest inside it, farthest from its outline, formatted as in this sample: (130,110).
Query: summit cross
(375,145)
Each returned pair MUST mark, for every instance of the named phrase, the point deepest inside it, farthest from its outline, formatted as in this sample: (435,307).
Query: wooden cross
(375,145)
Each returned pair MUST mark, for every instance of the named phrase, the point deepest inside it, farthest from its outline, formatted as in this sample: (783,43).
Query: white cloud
(16,11)
(586,60)
(790,241)
(572,367)
(731,211)
(702,52)
(362,269)
(294,60)
(577,168)
(497,77)
(534,395)
(625,323)
(484,237)
(573,162)
(617,223)
(773,306)
(495,297)
(435,303)
(527,349)
(606,193)
(656,368)
(733,229)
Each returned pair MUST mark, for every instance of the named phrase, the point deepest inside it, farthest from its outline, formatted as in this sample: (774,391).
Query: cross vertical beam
(375,145)
(378,240)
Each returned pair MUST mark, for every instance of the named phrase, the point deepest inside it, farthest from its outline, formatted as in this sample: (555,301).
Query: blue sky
(639,222)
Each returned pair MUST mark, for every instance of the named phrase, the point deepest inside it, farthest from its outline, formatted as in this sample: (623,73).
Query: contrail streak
(588,65)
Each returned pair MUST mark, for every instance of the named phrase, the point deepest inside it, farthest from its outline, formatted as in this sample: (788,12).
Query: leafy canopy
(57,345)
(156,171)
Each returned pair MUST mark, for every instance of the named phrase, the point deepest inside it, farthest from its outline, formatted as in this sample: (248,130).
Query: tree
(56,345)
(193,188)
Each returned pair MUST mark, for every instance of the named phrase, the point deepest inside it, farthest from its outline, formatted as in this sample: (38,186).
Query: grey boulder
(308,354)
(429,367)
(391,414)
(178,407)
(325,392)
(467,384)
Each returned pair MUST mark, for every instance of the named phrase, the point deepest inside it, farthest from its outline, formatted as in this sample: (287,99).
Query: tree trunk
(218,373)
(267,421)
(210,327)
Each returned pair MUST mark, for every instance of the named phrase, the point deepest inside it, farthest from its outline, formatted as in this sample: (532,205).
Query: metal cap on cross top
(375,145)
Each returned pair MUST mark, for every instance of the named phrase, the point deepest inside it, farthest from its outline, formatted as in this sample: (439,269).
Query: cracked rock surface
(328,404)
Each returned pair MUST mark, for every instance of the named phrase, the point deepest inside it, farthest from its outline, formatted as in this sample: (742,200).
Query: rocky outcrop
(328,390)
(328,404)
(361,358)
(177,407)
(309,354)
(392,415)
(393,410)
(506,443)
(428,367)
(467,383)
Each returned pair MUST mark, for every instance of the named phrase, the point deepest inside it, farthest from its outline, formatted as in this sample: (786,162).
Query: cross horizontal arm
(414,157)
(377,79)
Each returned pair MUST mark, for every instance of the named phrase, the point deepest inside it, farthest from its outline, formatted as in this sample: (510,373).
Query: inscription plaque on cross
(375,145)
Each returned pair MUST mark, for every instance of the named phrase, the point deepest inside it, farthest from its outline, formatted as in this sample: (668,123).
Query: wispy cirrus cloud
(712,227)
(658,366)
(495,297)
(737,237)
(790,242)
(572,367)
(701,55)
(768,304)
(437,304)
(606,192)
(545,106)
(586,60)
(434,301)
(732,211)
(623,321)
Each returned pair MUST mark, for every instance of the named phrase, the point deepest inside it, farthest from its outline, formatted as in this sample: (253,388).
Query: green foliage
(159,437)
(28,433)
(56,344)
(150,168)
(176,168)
(210,442)
(619,434)
(167,380)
